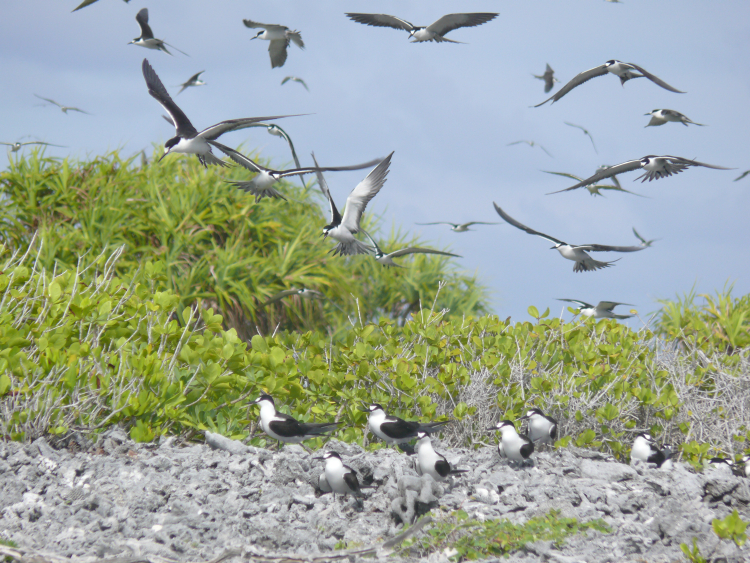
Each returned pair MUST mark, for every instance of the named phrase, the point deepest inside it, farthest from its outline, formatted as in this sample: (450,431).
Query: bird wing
(609,305)
(451,224)
(478,223)
(381,20)
(581,304)
(48,100)
(215,131)
(84,4)
(252,24)
(639,237)
(415,250)
(240,158)
(307,170)
(655,79)
(288,139)
(280,295)
(78,110)
(454,21)
(277,48)
(303,83)
(296,38)
(378,250)
(442,466)
(142,19)
(361,195)
(335,215)
(157,90)
(577,80)
(605,248)
(350,478)
(194,77)
(603,173)
(516,143)
(286,79)
(523,227)
(680,160)
(745,173)
(565,174)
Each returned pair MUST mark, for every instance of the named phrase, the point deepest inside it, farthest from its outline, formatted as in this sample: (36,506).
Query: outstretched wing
(335,215)
(159,92)
(415,250)
(215,131)
(655,79)
(363,193)
(280,295)
(142,19)
(454,21)
(603,173)
(609,305)
(577,80)
(523,227)
(381,20)
(605,248)
(478,223)
(581,304)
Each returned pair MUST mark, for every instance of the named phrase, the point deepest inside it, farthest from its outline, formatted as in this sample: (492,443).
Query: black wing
(381,20)
(323,185)
(605,248)
(655,79)
(523,227)
(350,478)
(602,173)
(399,428)
(527,449)
(442,467)
(454,21)
(288,427)
(577,80)
(142,19)
(159,92)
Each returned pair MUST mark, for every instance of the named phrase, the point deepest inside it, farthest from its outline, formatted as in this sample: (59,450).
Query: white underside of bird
(584,261)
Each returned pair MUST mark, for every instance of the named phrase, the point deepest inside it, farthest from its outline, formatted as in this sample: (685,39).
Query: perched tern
(542,428)
(585,132)
(645,449)
(459,227)
(576,252)
(15,147)
(192,81)
(532,144)
(285,428)
(431,463)
(602,310)
(594,188)
(278,37)
(295,79)
(548,77)
(516,446)
(645,243)
(624,71)
(387,259)
(662,116)
(433,32)
(394,430)
(65,109)
(147,38)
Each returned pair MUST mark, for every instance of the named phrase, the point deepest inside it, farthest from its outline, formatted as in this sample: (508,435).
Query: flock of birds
(515,446)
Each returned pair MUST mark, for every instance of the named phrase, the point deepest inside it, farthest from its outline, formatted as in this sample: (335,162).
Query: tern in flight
(387,259)
(147,38)
(187,139)
(654,167)
(594,188)
(192,81)
(459,227)
(644,243)
(15,147)
(662,116)
(64,109)
(532,144)
(603,309)
(304,293)
(262,184)
(343,228)
(585,132)
(278,37)
(548,77)
(295,79)
(624,71)
(576,252)
(433,32)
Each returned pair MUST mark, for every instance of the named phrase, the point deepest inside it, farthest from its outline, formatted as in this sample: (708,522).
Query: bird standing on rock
(516,447)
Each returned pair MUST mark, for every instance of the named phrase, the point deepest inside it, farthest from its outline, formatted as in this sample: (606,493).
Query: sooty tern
(65,109)
(192,81)
(15,147)
(262,184)
(395,430)
(276,131)
(285,428)
(532,144)
(341,478)
(387,259)
(644,242)
(187,139)
(662,116)
(343,228)
(295,79)
(459,227)
(147,38)
(585,132)
(624,71)
(603,310)
(431,463)
(594,189)
(654,167)
(645,449)
(516,447)
(304,293)
(548,77)
(542,428)
(576,252)
(278,37)
(433,32)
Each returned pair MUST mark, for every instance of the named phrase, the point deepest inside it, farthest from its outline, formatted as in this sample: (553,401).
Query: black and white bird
(285,428)
(722,462)
(295,79)
(645,243)
(187,139)
(459,227)
(395,430)
(654,167)
(341,478)
(595,189)
(516,447)
(65,109)
(532,144)
(662,116)
(585,132)
(746,462)
(278,37)
(147,38)
(342,228)
(276,131)
(624,71)
(387,259)
(304,292)
(548,77)
(429,462)
(433,32)
(194,80)
(15,147)
(602,310)
(576,252)
(645,449)
(542,428)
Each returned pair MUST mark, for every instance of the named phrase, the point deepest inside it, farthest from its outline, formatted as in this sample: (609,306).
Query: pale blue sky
(448,111)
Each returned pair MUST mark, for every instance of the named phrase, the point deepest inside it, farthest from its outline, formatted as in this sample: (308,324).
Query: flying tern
(277,131)
(433,32)
(459,227)
(65,109)
(147,38)
(343,228)
(548,77)
(187,139)
(602,310)
(662,116)
(645,243)
(624,71)
(15,147)
(192,81)
(576,252)
(278,37)
(594,188)
(295,79)
(304,293)
(654,167)
(532,144)
(585,132)
(387,259)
